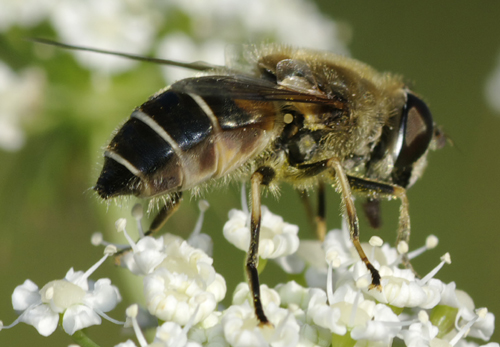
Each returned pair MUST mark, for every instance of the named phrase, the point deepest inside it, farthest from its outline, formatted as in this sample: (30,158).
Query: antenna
(197,65)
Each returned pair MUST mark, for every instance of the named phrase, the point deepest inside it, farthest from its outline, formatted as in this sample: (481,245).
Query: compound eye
(415,132)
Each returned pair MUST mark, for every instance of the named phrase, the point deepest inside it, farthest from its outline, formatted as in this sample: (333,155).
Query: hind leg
(158,222)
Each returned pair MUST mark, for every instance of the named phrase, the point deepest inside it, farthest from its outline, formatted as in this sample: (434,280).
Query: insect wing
(248,88)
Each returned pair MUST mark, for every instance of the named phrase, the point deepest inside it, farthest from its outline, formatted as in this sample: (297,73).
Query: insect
(276,114)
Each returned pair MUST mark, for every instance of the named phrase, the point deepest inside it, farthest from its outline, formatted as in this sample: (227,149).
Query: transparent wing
(249,88)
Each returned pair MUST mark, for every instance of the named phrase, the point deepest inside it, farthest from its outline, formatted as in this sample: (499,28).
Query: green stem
(83,340)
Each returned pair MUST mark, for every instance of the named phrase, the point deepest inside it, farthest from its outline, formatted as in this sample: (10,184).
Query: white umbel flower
(197,239)
(209,333)
(400,288)
(80,302)
(419,334)
(348,310)
(338,241)
(460,304)
(241,327)
(171,334)
(382,327)
(277,238)
(184,281)
(267,295)
(293,293)
(146,255)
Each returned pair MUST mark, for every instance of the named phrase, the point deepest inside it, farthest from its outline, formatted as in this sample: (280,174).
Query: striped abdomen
(177,140)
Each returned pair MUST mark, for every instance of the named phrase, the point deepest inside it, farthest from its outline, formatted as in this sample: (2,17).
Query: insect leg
(404,223)
(404,216)
(316,220)
(262,176)
(307,206)
(371,207)
(350,210)
(161,217)
(164,214)
(320,217)
(384,190)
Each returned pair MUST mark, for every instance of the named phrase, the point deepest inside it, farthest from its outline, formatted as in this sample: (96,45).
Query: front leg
(263,176)
(352,218)
(384,190)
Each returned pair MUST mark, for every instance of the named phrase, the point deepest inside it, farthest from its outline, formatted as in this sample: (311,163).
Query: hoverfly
(276,114)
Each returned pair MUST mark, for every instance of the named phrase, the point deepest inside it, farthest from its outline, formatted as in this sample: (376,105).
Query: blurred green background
(445,49)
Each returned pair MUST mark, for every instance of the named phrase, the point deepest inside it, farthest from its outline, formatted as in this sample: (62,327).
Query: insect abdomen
(176,140)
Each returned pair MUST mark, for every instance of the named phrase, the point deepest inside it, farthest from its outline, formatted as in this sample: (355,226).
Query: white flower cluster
(339,308)
(79,302)
(21,96)
(183,291)
(277,238)
(180,282)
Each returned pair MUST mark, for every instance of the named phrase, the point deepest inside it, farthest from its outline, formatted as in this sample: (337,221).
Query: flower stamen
(203,205)
(354,308)
(329,283)
(108,251)
(120,227)
(430,243)
(375,242)
(445,259)
(138,213)
(97,240)
(465,329)
(131,313)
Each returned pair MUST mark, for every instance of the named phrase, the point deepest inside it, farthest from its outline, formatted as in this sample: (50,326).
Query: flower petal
(78,317)
(25,295)
(42,318)
(104,297)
